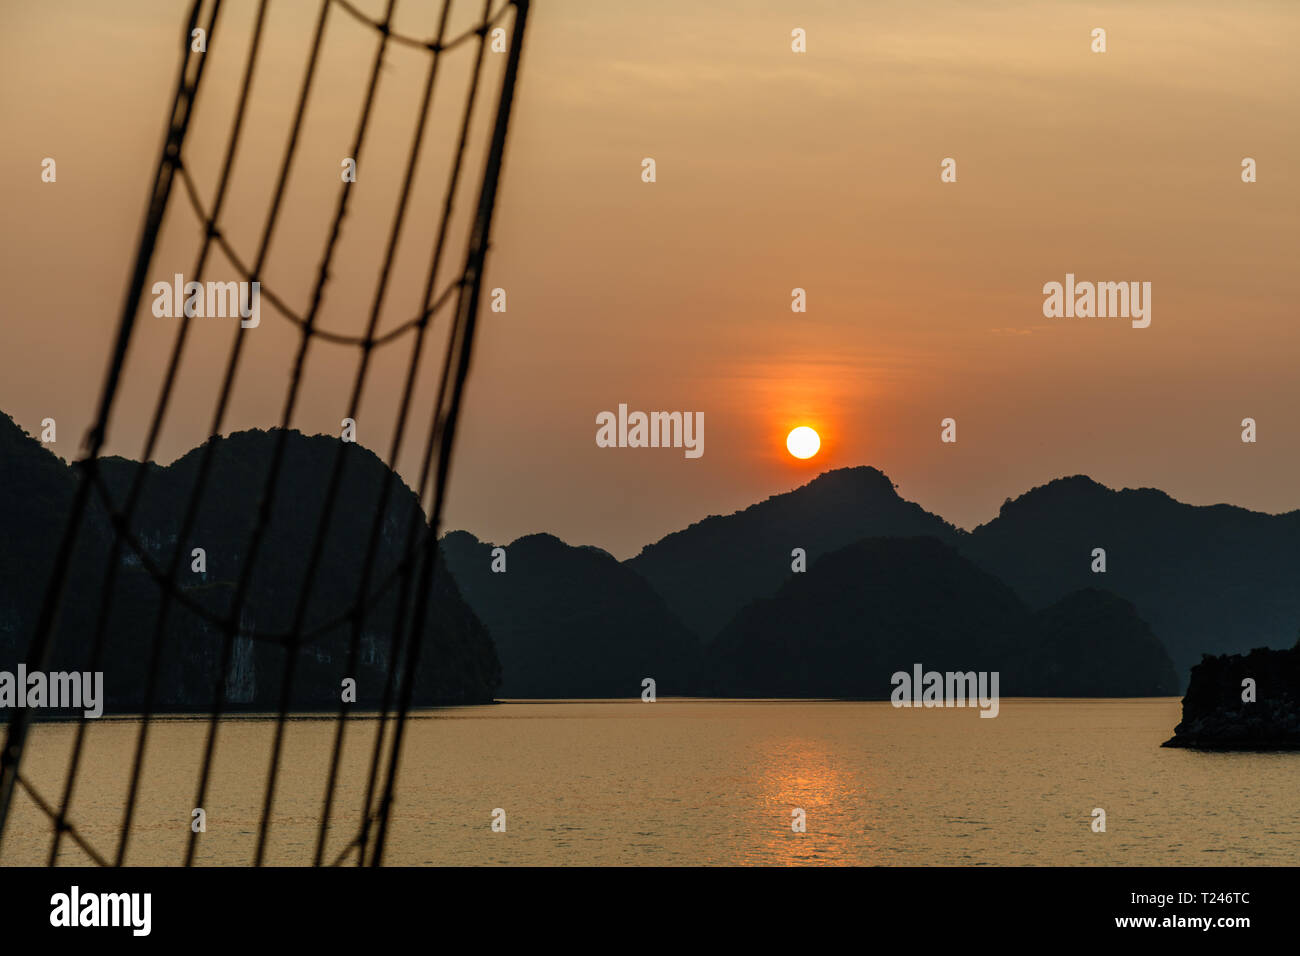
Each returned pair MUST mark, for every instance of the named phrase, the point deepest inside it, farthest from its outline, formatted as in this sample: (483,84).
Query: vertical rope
(414,572)
(466,318)
(181,111)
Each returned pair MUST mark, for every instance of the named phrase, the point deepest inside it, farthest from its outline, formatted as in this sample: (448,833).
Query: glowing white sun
(803,442)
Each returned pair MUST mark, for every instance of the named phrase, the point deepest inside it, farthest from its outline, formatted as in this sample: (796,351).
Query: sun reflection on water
(801,773)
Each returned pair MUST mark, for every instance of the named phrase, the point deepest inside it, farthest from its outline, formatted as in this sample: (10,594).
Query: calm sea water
(701,782)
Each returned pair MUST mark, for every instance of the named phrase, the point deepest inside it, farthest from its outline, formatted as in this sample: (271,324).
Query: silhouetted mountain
(1207,579)
(571,621)
(1217,714)
(864,612)
(1094,644)
(458,663)
(712,569)
(1217,578)
(36,491)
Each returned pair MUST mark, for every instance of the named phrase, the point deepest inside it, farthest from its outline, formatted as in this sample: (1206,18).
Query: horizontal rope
(432,45)
(280,306)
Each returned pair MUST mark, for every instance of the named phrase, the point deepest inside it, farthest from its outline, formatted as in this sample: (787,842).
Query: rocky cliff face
(1242,702)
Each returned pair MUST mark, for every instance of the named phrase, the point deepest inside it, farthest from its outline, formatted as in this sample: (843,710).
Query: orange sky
(775,170)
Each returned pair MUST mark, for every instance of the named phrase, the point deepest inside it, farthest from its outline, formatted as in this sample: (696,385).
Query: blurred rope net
(413,574)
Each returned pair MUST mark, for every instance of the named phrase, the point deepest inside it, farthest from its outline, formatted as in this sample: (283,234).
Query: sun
(803,442)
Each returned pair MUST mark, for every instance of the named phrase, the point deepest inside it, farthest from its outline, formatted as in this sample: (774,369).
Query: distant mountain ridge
(459,663)
(708,571)
(571,621)
(697,611)
(882,605)
(1207,578)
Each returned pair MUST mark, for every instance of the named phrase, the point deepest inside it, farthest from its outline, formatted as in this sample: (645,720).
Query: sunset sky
(775,170)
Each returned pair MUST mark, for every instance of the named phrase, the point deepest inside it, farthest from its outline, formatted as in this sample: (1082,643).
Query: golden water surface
(695,782)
